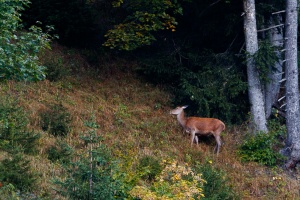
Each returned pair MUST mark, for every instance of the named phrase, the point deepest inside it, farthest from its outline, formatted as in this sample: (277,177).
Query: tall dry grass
(134,121)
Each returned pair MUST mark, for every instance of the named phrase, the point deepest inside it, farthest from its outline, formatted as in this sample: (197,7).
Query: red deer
(200,126)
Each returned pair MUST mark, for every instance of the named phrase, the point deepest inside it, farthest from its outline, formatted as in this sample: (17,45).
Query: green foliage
(16,176)
(176,181)
(263,148)
(91,176)
(56,120)
(128,171)
(56,70)
(14,136)
(15,139)
(8,192)
(121,114)
(216,186)
(16,171)
(265,59)
(19,49)
(60,152)
(211,84)
(149,167)
(147,17)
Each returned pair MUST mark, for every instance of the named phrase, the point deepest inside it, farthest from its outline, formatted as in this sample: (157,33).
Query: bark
(292,87)
(256,96)
(275,75)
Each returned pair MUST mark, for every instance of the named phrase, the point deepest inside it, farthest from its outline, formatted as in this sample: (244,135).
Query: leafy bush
(14,136)
(216,186)
(262,147)
(19,49)
(91,176)
(56,120)
(176,181)
(149,167)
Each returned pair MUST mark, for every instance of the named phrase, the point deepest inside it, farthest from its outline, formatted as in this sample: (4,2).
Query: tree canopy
(145,18)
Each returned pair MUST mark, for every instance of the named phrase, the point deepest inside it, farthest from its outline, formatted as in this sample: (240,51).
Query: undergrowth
(91,176)
(56,120)
(16,140)
(59,152)
(264,147)
(176,181)
(14,134)
(216,185)
(149,167)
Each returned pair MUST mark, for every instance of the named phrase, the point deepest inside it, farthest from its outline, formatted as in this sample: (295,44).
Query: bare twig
(266,29)
(275,13)
(281,98)
(282,80)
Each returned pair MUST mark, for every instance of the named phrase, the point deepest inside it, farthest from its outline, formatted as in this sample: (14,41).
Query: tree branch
(275,13)
(282,80)
(266,29)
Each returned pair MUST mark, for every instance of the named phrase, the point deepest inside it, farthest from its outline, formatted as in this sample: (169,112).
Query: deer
(200,126)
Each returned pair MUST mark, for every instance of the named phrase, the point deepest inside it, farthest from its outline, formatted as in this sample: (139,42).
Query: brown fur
(200,126)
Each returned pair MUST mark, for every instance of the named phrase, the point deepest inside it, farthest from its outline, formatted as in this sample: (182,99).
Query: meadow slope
(134,121)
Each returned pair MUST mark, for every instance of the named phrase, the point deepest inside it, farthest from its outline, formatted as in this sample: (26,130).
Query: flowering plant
(176,181)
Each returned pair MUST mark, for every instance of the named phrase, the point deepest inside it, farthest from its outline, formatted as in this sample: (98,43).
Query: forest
(93,92)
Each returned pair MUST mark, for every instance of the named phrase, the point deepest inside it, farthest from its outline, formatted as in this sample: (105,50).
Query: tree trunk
(275,75)
(256,96)
(292,87)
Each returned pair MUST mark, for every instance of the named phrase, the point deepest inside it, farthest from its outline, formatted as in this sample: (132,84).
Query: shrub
(56,120)
(60,152)
(176,181)
(149,167)
(14,136)
(8,192)
(16,171)
(121,114)
(216,186)
(262,147)
(16,176)
(56,70)
(91,176)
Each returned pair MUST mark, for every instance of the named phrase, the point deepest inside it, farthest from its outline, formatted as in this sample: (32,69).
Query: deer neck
(181,119)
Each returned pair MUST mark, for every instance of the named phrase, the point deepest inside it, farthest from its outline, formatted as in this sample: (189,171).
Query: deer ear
(184,107)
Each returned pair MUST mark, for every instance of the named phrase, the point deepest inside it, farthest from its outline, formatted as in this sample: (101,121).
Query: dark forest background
(201,63)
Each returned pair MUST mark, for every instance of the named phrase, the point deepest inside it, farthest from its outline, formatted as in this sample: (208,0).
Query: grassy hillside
(134,121)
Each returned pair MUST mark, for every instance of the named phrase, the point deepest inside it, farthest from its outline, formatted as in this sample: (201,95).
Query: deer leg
(196,139)
(218,145)
(193,137)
